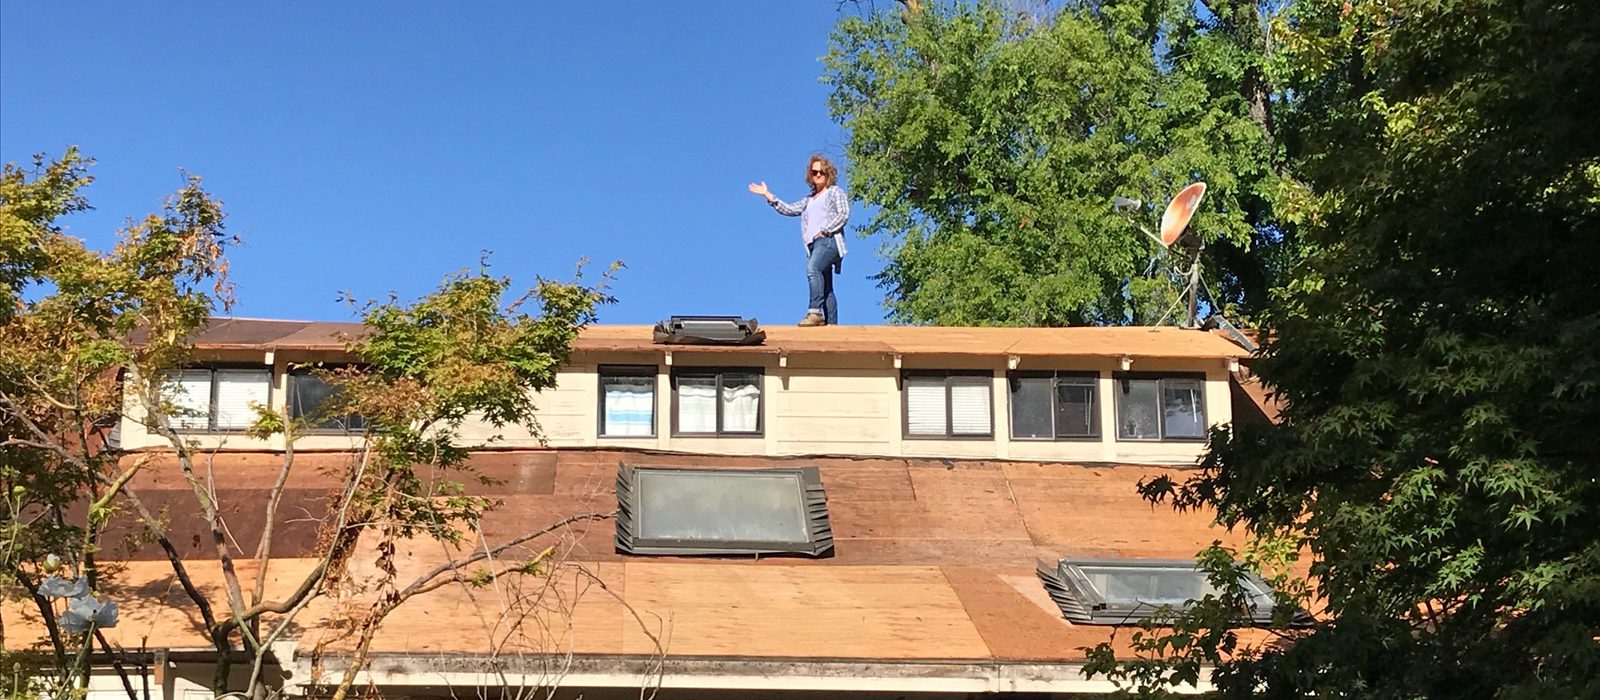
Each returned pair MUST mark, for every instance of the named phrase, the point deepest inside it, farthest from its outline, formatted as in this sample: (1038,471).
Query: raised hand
(761,189)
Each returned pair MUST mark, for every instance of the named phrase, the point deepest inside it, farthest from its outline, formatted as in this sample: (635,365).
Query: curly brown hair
(827,167)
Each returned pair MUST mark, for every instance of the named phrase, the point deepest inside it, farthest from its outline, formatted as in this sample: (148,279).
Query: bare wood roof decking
(934,560)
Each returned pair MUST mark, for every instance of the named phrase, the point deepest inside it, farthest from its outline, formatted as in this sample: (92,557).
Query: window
(716,401)
(217,399)
(307,392)
(1161,407)
(722,511)
(627,401)
(948,404)
(1125,591)
(1054,405)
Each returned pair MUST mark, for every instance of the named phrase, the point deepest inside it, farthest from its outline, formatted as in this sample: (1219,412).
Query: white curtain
(969,405)
(237,390)
(190,392)
(741,407)
(697,405)
(630,406)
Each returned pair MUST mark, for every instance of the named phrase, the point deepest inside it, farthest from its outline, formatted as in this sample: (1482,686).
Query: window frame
(946,375)
(813,499)
(211,400)
(1161,416)
(1081,603)
(651,371)
(289,399)
(719,373)
(1096,434)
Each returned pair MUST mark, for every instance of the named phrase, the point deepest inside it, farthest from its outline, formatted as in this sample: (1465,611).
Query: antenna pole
(1194,293)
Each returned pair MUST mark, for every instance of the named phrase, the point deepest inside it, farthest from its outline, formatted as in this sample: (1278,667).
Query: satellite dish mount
(1175,232)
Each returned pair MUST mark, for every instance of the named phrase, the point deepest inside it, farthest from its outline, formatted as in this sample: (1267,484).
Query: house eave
(729,673)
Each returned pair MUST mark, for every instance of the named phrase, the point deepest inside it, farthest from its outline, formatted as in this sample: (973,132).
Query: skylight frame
(1082,603)
(812,500)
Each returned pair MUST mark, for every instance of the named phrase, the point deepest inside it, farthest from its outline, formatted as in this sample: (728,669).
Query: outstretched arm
(782,207)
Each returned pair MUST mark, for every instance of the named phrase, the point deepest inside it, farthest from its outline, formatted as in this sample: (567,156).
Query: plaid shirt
(836,207)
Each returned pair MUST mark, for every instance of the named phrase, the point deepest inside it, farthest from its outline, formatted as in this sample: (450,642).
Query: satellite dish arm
(1148,234)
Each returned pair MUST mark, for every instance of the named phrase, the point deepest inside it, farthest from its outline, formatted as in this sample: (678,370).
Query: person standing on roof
(823,216)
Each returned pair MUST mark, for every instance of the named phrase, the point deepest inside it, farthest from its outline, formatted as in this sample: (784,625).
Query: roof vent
(709,330)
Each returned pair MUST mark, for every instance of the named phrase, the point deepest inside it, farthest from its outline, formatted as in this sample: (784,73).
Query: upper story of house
(1125,395)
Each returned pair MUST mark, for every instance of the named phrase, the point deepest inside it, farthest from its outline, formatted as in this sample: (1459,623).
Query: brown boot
(813,319)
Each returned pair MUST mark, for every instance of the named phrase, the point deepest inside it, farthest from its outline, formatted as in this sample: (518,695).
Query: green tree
(86,339)
(1435,355)
(991,144)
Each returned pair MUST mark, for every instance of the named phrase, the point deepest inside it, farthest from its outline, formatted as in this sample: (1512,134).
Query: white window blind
(925,406)
(237,389)
(969,406)
(190,392)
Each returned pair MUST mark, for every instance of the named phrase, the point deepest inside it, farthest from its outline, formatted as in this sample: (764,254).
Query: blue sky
(374,147)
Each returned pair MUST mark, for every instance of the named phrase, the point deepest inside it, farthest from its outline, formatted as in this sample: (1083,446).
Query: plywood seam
(943,572)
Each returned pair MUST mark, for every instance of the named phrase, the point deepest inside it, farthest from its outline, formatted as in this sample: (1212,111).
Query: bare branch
(265,547)
(178,568)
(456,564)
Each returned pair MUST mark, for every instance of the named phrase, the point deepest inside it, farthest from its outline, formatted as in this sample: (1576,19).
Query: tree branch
(49,615)
(265,547)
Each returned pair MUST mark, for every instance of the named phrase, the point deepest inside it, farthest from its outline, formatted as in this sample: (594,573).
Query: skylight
(721,511)
(708,330)
(1124,591)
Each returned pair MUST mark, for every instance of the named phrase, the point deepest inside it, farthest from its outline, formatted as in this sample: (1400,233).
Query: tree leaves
(1434,350)
(992,145)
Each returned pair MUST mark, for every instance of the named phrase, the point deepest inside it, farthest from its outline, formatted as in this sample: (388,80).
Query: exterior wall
(134,435)
(811,404)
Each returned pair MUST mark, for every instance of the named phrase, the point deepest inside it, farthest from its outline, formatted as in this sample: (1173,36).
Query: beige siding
(811,404)
(832,411)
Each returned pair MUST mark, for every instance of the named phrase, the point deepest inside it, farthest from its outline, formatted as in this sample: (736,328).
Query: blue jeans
(820,263)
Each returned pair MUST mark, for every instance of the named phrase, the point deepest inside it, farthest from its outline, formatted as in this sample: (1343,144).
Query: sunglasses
(816,173)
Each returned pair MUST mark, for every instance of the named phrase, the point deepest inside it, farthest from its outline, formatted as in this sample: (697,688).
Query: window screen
(1160,408)
(1050,405)
(1031,412)
(940,404)
(627,401)
(717,401)
(307,394)
(1182,408)
(721,511)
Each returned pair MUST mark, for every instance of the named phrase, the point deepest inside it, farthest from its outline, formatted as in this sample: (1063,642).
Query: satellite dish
(1176,218)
